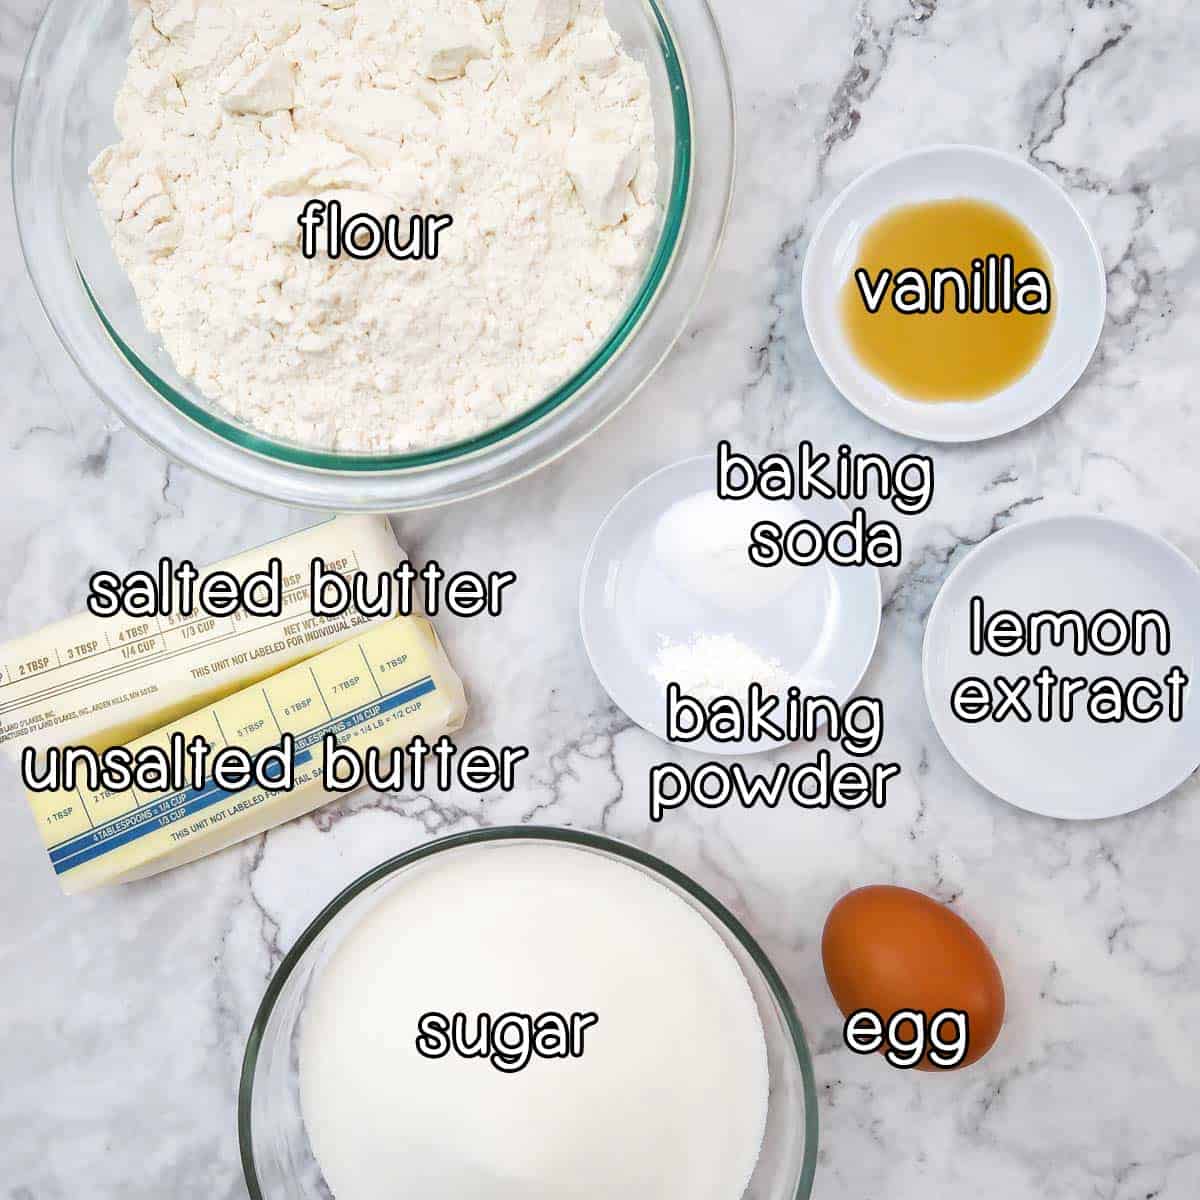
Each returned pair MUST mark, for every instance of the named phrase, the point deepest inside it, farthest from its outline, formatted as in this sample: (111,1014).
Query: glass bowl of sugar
(225,359)
(525,1013)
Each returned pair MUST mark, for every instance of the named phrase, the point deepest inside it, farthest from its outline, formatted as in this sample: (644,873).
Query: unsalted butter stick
(99,682)
(380,690)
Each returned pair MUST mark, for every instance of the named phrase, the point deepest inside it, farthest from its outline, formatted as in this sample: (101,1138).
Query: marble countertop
(123,1014)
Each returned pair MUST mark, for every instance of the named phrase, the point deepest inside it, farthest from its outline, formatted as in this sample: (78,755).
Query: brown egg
(888,949)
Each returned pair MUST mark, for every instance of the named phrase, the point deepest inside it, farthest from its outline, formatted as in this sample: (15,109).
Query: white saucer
(944,172)
(820,623)
(1081,770)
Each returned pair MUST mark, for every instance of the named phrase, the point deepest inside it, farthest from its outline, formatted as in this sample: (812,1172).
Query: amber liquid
(948,355)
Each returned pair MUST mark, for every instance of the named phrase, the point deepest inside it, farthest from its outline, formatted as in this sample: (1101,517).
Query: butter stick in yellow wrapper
(100,681)
(379,690)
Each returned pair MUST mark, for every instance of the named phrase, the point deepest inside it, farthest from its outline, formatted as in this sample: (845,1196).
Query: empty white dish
(951,172)
(1081,769)
(819,623)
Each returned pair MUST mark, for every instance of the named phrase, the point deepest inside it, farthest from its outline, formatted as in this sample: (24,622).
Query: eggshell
(888,949)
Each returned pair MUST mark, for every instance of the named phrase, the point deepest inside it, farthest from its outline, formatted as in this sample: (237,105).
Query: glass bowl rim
(220,424)
(572,837)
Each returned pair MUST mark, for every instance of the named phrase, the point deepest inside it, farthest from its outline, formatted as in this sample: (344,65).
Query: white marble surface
(123,1014)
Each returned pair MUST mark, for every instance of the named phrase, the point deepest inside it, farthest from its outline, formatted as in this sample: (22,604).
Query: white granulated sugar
(712,665)
(525,121)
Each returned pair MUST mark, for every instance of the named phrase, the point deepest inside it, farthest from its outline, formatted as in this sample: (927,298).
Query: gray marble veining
(123,1014)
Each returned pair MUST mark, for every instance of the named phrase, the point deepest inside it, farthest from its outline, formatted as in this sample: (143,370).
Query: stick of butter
(382,689)
(100,682)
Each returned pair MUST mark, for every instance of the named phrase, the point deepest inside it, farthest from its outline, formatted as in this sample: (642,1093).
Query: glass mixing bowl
(276,1157)
(64,118)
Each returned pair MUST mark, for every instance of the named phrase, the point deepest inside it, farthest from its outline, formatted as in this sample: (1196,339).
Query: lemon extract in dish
(949,299)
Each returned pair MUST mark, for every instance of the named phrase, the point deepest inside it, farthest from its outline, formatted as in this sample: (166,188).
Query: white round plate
(1078,770)
(820,623)
(951,172)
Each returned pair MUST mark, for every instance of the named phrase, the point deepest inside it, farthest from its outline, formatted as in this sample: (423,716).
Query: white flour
(524,121)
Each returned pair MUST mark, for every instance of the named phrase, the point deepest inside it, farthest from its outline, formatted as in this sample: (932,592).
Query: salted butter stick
(381,689)
(99,682)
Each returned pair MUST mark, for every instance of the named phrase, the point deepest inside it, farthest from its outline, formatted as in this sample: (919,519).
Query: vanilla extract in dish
(949,300)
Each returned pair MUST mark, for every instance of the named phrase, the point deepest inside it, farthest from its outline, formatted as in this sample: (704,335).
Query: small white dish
(1082,769)
(819,623)
(950,172)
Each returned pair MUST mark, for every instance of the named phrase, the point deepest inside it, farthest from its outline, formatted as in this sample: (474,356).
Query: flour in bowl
(525,121)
